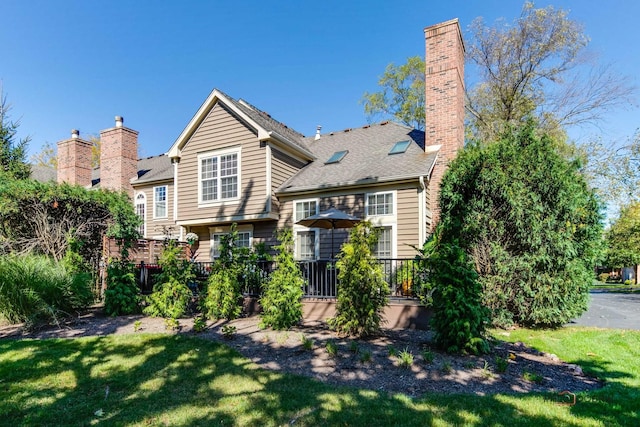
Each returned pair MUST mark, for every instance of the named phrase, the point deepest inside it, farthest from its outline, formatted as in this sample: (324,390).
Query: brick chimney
(444,100)
(74,160)
(118,157)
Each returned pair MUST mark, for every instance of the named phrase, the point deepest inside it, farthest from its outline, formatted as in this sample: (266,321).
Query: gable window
(379,204)
(141,204)
(243,241)
(160,202)
(219,175)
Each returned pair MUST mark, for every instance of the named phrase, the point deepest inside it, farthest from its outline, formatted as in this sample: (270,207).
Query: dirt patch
(374,364)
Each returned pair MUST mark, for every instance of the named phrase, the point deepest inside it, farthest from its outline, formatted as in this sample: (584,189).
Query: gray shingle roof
(368,160)
(156,168)
(43,173)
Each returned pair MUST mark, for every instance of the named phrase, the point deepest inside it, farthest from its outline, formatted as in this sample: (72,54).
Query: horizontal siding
(283,167)
(158,227)
(221,130)
(407,222)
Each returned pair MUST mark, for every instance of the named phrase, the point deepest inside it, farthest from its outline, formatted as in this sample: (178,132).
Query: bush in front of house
(459,318)
(122,295)
(171,294)
(281,301)
(223,299)
(363,293)
(36,289)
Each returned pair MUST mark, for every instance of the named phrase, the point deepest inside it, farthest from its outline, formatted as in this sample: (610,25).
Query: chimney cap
(75,133)
(119,121)
(317,133)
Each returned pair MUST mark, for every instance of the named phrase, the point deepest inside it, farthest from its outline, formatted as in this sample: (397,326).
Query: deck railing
(321,277)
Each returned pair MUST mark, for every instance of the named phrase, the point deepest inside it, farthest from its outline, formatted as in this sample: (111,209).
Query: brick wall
(444,100)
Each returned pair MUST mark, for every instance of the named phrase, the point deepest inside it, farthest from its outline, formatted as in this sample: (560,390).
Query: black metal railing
(404,276)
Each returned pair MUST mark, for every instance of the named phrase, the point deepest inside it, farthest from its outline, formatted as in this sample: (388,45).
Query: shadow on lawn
(177,380)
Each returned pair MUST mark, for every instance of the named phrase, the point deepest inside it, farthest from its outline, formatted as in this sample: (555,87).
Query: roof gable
(266,128)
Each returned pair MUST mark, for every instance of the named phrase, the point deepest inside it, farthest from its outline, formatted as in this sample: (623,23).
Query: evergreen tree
(281,302)
(13,154)
(530,225)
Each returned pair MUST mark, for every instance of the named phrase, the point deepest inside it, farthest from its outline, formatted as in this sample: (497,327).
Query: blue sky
(77,64)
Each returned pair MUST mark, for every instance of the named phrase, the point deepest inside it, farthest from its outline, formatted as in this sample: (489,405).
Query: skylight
(337,157)
(400,147)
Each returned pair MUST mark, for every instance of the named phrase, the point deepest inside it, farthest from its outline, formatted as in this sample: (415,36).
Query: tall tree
(538,66)
(12,153)
(623,238)
(402,94)
(529,223)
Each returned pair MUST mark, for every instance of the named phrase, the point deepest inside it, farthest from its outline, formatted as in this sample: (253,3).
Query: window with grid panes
(384,244)
(306,209)
(306,245)
(243,241)
(160,202)
(380,204)
(219,177)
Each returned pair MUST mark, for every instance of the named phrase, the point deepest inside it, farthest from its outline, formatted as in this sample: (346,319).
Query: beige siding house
(233,163)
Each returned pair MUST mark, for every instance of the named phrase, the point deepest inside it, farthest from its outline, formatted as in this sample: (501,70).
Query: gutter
(289,144)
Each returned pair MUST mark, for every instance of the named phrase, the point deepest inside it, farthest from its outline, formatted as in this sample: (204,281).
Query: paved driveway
(612,310)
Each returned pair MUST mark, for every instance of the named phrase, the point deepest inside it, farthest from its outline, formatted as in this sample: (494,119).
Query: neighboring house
(233,163)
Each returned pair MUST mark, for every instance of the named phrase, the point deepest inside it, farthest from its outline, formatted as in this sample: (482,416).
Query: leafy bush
(122,295)
(628,282)
(603,277)
(36,289)
(363,292)
(171,294)
(281,301)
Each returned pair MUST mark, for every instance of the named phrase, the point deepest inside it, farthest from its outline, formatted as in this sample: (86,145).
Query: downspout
(268,184)
(422,214)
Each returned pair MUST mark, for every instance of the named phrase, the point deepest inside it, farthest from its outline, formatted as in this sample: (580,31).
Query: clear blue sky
(77,64)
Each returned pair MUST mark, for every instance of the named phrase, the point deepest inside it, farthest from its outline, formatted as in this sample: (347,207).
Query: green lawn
(176,380)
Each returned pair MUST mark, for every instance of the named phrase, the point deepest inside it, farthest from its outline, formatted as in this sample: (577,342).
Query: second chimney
(118,157)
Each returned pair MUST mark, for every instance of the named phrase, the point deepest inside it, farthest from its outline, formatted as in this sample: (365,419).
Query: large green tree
(530,225)
(13,152)
(623,238)
(402,94)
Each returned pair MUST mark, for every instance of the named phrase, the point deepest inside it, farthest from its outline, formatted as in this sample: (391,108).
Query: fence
(404,277)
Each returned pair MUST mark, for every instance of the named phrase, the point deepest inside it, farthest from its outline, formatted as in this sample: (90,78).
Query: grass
(144,379)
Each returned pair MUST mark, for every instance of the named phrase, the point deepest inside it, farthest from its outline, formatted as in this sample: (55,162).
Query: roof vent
(119,121)
(318,133)
(75,134)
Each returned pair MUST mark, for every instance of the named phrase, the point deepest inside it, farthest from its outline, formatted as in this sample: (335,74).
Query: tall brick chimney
(118,157)
(444,100)
(74,160)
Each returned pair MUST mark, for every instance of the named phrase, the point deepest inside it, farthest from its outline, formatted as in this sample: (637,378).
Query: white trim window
(141,207)
(306,239)
(384,246)
(378,204)
(245,240)
(218,176)
(381,210)
(160,201)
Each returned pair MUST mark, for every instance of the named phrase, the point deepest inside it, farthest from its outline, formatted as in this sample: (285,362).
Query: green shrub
(363,292)
(122,295)
(603,277)
(281,301)
(171,295)
(629,282)
(35,289)
(223,298)
(458,315)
